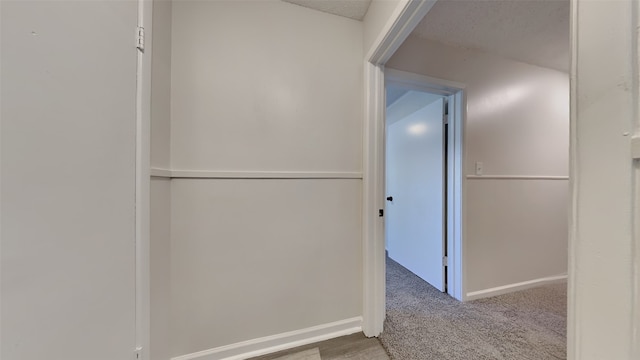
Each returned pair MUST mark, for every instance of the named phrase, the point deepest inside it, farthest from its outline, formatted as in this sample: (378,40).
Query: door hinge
(137,354)
(445,261)
(445,119)
(140,39)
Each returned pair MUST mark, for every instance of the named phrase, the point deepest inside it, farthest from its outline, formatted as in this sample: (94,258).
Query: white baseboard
(514,287)
(274,343)
(516,177)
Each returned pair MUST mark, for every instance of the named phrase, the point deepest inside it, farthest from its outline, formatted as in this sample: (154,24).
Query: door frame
(454,197)
(402,21)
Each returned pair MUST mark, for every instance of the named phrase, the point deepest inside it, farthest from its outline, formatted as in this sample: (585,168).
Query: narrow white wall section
(160,194)
(263,86)
(160,335)
(517,124)
(161,86)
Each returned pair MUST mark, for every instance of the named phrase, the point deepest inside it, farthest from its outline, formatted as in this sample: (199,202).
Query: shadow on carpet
(422,323)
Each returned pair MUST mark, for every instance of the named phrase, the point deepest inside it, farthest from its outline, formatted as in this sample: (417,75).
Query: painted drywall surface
(161,86)
(68,180)
(517,124)
(601,310)
(376,19)
(517,231)
(263,86)
(160,193)
(160,268)
(252,258)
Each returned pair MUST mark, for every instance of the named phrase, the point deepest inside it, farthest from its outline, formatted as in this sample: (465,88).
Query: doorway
(416,126)
(423,181)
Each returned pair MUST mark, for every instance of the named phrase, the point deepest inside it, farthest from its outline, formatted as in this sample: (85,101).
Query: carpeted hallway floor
(423,323)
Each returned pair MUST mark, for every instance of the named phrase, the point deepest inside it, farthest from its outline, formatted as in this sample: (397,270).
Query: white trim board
(275,343)
(163,173)
(500,290)
(206,174)
(516,177)
(573,322)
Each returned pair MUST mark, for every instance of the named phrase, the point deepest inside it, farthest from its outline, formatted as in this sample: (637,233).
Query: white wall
(161,86)
(605,202)
(160,192)
(263,86)
(160,335)
(252,258)
(270,92)
(517,124)
(68,179)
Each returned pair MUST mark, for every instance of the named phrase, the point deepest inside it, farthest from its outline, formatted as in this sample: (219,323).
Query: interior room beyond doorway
(416,132)
(423,167)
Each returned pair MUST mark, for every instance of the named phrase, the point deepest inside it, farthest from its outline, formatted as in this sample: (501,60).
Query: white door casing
(400,25)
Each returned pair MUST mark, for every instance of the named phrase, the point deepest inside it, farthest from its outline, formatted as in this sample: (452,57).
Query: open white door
(415,190)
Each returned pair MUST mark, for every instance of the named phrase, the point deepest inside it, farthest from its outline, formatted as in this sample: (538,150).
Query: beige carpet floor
(423,323)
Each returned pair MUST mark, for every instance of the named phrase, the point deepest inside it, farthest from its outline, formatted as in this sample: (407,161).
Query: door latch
(381,212)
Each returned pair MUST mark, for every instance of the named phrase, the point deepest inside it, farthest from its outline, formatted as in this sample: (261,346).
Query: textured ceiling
(353,9)
(531,31)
